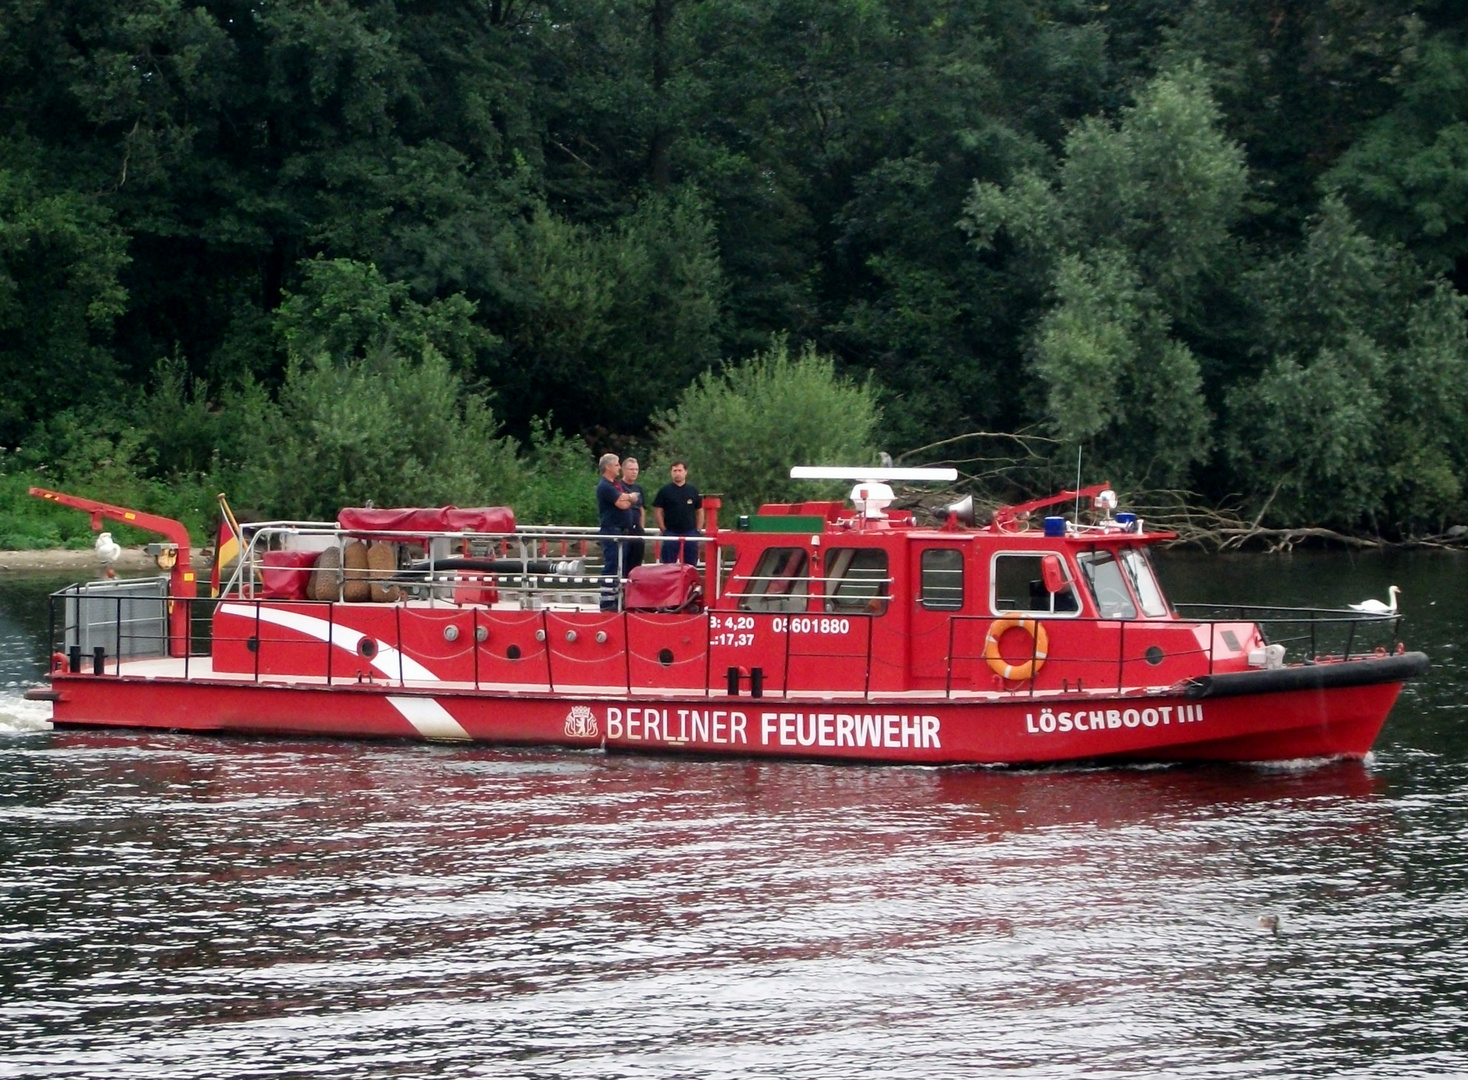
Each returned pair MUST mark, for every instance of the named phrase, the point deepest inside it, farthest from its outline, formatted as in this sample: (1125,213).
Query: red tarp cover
(666,586)
(285,574)
(420,521)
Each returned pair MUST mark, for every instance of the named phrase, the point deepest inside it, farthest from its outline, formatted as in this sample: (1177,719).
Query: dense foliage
(747,424)
(446,250)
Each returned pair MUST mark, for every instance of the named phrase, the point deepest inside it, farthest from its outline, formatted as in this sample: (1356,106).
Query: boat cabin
(1002,608)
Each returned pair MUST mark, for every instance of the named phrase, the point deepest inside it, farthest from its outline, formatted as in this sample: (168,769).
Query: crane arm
(182,581)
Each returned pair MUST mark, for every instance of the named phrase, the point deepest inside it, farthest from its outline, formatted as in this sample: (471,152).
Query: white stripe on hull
(386,660)
(430,718)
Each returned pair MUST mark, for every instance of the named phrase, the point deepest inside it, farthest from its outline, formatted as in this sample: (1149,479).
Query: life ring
(1016,672)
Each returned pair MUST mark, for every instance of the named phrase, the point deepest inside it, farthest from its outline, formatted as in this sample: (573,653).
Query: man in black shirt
(679,510)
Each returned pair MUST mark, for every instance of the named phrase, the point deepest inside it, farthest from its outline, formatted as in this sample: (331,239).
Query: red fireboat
(827,630)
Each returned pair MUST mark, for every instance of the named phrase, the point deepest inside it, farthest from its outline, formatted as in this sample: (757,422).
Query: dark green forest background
(446,250)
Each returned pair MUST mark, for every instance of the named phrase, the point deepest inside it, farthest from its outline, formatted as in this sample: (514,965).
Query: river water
(177,906)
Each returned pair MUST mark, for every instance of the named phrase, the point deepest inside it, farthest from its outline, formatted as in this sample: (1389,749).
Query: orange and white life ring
(1013,620)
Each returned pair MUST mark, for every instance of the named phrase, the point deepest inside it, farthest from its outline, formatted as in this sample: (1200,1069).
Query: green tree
(232,141)
(610,323)
(1123,241)
(1407,177)
(1297,83)
(838,144)
(742,428)
(393,430)
(1115,378)
(371,407)
(60,258)
(1357,418)
(346,309)
(557,480)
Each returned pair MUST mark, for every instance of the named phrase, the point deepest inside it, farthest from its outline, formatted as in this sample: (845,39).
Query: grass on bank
(28,523)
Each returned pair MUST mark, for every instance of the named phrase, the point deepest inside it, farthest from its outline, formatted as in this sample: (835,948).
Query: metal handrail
(518,545)
(784,626)
(1338,614)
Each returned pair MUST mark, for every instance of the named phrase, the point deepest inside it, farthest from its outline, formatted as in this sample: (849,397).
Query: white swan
(1376,607)
(109,551)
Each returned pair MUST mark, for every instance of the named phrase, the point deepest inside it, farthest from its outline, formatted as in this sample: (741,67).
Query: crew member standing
(636,549)
(679,510)
(614,510)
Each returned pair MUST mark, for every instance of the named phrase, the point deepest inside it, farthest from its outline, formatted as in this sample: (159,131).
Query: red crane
(181,580)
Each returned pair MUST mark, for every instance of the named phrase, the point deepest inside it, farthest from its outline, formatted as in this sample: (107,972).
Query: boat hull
(1333,717)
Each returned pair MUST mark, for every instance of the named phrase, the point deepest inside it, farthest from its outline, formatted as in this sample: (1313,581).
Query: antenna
(1078,483)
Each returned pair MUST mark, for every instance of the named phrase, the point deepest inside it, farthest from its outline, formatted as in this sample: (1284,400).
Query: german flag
(228,546)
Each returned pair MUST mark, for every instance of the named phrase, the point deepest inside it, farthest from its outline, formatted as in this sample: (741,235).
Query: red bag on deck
(419,521)
(663,587)
(284,575)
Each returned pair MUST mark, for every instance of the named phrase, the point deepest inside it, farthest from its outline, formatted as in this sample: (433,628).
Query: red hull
(1317,723)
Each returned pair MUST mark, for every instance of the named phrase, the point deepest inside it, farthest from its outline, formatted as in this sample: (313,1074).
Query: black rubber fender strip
(1365,672)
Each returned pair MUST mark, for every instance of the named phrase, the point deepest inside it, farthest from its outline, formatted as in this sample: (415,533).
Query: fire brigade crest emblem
(581,723)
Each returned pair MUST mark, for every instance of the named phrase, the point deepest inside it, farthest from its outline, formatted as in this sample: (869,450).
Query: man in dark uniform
(613,507)
(679,510)
(635,548)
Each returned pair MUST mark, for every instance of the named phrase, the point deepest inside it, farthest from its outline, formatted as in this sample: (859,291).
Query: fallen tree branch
(1286,539)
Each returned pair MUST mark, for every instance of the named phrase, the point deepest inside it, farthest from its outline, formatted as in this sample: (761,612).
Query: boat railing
(117,618)
(100,627)
(1312,633)
(1150,652)
(538,566)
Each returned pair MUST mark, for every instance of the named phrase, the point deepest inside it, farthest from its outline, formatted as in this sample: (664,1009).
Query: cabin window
(1105,579)
(942,579)
(1019,585)
(856,580)
(779,581)
(1144,582)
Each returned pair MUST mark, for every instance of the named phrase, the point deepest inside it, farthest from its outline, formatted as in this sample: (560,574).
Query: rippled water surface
(179,906)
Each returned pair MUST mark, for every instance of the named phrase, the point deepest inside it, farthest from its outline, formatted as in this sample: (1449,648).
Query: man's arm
(657,512)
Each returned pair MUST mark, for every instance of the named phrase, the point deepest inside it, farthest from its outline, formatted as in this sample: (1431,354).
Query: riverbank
(83,560)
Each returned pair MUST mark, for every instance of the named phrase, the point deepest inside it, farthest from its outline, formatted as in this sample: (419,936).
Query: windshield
(1144,582)
(1106,581)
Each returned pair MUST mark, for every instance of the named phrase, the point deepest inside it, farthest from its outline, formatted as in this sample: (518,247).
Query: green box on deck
(787,523)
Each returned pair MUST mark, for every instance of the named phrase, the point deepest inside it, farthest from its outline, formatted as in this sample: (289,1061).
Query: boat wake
(1308,764)
(21,717)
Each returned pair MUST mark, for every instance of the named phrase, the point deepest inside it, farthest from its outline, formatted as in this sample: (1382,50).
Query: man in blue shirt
(636,548)
(614,510)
